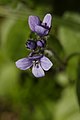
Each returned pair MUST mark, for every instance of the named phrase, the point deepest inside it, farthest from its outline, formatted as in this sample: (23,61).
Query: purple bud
(31,44)
(41,43)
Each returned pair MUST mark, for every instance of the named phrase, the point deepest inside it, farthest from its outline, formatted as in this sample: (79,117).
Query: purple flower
(41,28)
(38,63)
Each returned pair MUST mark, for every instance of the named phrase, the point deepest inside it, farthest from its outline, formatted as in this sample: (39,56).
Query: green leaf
(71,68)
(78,83)
(69,20)
(67,108)
(15,39)
(69,38)
(3,2)
(8,79)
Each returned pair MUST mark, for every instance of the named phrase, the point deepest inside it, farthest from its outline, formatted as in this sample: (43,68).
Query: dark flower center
(36,63)
(45,26)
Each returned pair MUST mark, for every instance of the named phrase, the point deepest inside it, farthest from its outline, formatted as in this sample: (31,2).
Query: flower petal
(47,19)
(46,64)
(38,71)
(33,21)
(41,30)
(24,63)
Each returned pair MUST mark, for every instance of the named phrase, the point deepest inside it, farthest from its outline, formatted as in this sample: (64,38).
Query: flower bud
(41,43)
(31,44)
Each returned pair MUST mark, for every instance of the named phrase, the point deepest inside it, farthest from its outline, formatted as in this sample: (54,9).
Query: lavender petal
(47,19)
(37,71)
(41,30)
(46,64)
(33,21)
(24,63)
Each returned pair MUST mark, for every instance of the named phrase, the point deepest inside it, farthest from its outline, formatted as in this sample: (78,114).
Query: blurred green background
(57,95)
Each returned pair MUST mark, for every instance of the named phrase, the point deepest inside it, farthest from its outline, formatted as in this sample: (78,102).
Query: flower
(41,28)
(39,63)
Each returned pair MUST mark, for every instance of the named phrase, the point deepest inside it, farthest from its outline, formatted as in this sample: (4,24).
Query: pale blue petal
(47,19)
(24,63)
(46,64)
(33,21)
(41,30)
(37,71)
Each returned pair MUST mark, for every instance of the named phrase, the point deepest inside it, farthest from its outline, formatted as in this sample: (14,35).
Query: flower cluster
(36,59)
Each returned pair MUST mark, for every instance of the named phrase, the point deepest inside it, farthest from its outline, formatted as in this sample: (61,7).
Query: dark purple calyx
(35,57)
(31,44)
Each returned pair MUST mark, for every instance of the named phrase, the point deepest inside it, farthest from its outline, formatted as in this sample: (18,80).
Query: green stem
(70,57)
